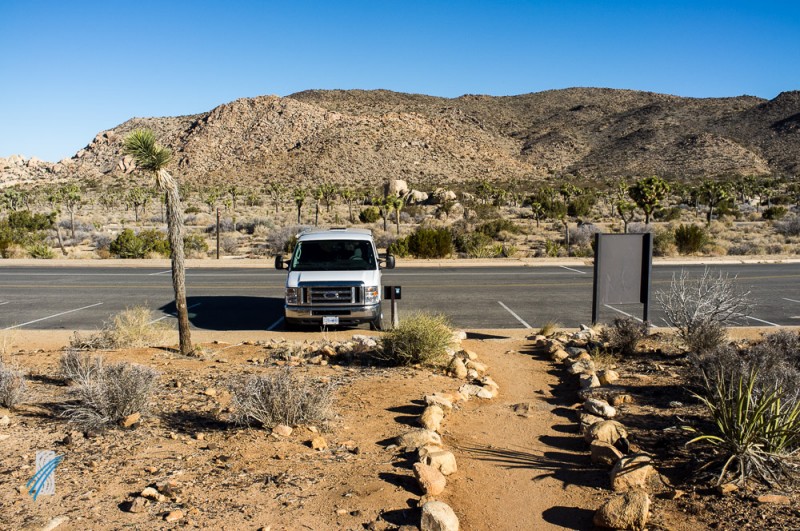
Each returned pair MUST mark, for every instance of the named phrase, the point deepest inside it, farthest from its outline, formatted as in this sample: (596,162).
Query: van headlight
(291,295)
(371,295)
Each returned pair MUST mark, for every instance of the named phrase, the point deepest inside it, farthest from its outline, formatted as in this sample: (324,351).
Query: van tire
(377,323)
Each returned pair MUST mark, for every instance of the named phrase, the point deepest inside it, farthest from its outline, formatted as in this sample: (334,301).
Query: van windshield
(333,255)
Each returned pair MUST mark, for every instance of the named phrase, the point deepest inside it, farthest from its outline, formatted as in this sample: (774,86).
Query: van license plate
(330,320)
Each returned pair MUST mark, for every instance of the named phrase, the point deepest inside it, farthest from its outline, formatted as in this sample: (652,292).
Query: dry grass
(549,328)
(280,398)
(421,337)
(131,328)
(12,386)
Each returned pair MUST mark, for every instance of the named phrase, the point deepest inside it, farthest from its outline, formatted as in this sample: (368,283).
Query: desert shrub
(624,335)
(774,213)
(690,238)
(192,210)
(101,241)
(420,338)
(663,243)
(790,227)
(668,214)
(131,328)
(111,394)
(755,430)
(12,386)
(583,235)
(229,244)
(700,307)
(280,398)
(131,245)
(194,244)
(369,215)
(75,366)
(548,329)
(493,228)
(250,226)
(552,248)
(22,229)
(473,243)
(283,240)
(744,248)
(399,247)
(430,243)
(40,250)
(581,206)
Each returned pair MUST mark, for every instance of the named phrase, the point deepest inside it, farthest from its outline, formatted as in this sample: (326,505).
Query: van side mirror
(389,262)
(279,262)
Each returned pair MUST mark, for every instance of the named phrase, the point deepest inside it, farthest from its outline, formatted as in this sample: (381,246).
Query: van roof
(335,234)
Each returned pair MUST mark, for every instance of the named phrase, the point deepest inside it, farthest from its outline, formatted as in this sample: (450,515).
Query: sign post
(394,294)
(623,266)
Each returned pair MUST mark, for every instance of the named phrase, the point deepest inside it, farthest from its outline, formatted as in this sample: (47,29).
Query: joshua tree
(647,193)
(276,192)
(299,199)
(153,158)
(318,194)
(537,209)
(397,205)
(349,196)
(713,193)
(329,192)
(71,197)
(137,198)
(625,209)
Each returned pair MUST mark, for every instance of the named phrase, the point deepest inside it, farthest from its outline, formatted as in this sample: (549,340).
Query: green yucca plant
(757,430)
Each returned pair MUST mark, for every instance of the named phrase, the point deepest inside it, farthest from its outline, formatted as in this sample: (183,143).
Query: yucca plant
(757,431)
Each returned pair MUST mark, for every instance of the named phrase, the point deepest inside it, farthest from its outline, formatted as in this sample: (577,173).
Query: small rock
(581,366)
(675,404)
(152,494)
(319,443)
(174,516)
(283,430)
(439,400)
(457,368)
(130,420)
(428,448)
(478,366)
(727,488)
(327,350)
(431,418)
(607,431)
(619,400)
(627,511)
(459,336)
(210,392)
(416,439)
(523,409)
(604,453)
(631,473)
(589,381)
(151,469)
(438,516)
(598,407)
(55,522)
(470,389)
(586,420)
(138,505)
(774,498)
(443,461)
(472,374)
(199,436)
(468,354)
(608,376)
(677,493)
(430,480)
(5,421)
(576,352)
(559,355)
(4,436)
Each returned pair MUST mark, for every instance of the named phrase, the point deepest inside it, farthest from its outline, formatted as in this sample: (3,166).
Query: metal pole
(647,273)
(595,297)
(218,234)
(395,317)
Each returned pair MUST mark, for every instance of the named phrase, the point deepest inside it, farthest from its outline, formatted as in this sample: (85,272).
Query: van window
(333,255)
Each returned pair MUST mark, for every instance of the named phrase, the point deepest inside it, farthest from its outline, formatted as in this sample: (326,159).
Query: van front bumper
(347,315)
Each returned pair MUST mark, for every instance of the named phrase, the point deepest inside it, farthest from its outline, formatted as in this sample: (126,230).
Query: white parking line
(570,269)
(2,303)
(275,325)
(159,273)
(51,316)
(517,317)
(790,300)
(172,314)
(760,320)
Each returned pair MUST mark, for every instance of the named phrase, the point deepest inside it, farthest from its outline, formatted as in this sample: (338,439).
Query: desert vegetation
(556,217)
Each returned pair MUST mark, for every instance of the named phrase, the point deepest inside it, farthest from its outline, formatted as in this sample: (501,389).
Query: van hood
(368,278)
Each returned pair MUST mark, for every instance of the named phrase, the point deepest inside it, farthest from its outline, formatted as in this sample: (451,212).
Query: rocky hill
(366,137)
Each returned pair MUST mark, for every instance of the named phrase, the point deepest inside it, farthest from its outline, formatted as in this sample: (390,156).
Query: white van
(334,279)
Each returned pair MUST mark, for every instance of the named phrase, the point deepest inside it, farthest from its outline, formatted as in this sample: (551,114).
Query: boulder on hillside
(396,188)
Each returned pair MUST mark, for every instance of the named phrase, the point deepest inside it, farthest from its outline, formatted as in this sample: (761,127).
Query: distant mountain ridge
(365,137)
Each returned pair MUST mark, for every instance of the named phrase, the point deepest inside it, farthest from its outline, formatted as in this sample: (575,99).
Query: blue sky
(71,69)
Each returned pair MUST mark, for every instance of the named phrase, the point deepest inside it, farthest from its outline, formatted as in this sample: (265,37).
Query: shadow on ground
(231,312)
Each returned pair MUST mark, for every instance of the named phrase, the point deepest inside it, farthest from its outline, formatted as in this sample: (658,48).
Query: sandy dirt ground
(515,471)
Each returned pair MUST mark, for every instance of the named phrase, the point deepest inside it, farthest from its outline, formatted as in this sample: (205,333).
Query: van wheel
(376,324)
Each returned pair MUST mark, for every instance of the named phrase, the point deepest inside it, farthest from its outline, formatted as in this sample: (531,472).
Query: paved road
(80,298)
